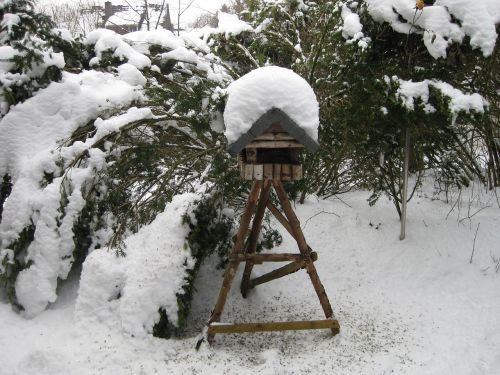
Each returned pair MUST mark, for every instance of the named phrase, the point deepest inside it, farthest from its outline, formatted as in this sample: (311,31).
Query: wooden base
(244,250)
(273,326)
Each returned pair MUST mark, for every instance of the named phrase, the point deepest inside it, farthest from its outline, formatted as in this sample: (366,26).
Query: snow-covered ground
(406,307)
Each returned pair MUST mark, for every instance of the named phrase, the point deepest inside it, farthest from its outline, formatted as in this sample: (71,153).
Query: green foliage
(5,190)
(14,262)
(349,79)
(210,227)
(376,139)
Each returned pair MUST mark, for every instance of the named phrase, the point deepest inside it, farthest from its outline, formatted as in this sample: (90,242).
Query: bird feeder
(267,132)
(271,148)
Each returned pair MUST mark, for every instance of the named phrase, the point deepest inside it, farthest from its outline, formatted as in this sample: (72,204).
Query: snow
(37,69)
(181,54)
(64,34)
(7,53)
(230,24)
(352,29)
(407,307)
(28,151)
(352,26)
(408,91)
(142,40)
(478,21)
(134,49)
(4,3)
(74,101)
(95,35)
(255,93)
(110,41)
(9,20)
(435,22)
(156,256)
(130,74)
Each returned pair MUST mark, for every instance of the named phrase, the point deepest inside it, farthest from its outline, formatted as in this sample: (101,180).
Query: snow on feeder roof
(267,96)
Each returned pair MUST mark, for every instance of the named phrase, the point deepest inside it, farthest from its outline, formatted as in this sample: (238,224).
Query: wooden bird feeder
(271,148)
(269,153)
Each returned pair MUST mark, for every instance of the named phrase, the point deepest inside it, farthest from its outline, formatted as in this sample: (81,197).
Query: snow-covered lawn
(406,307)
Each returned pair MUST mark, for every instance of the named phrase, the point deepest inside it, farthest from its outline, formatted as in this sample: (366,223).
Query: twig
(454,204)
(474,214)
(319,213)
(342,201)
(474,244)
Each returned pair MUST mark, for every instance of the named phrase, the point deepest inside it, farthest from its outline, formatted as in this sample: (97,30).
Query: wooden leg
(278,215)
(237,249)
(304,249)
(254,235)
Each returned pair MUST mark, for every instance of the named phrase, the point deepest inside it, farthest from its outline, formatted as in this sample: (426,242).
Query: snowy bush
(150,277)
(101,157)
(346,49)
(48,191)
(33,52)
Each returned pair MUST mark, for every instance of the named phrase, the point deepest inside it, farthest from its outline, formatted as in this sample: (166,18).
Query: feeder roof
(266,96)
(273,116)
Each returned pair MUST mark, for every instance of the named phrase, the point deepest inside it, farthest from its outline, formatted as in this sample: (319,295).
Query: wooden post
(278,215)
(237,248)
(254,235)
(405,185)
(304,248)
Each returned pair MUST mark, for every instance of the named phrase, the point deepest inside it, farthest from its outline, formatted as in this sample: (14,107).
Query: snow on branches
(58,148)
(440,24)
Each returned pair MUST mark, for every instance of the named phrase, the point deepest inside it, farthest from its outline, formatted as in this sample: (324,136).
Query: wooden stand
(258,201)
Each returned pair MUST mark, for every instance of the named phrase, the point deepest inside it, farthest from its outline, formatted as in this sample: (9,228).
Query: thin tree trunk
(405,185)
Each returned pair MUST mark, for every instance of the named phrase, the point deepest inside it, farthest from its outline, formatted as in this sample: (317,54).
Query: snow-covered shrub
(414,74)
(33,52)
(146,286)
(346,49)
(150,277)
(51,181)
(101,155)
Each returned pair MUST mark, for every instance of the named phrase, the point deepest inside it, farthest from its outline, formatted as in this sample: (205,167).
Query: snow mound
(130,74)
(265,88)
(31,133)
(134,50)
(129,291)
(476,19)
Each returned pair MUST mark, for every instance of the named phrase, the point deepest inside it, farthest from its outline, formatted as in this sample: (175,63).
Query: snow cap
(265,96)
